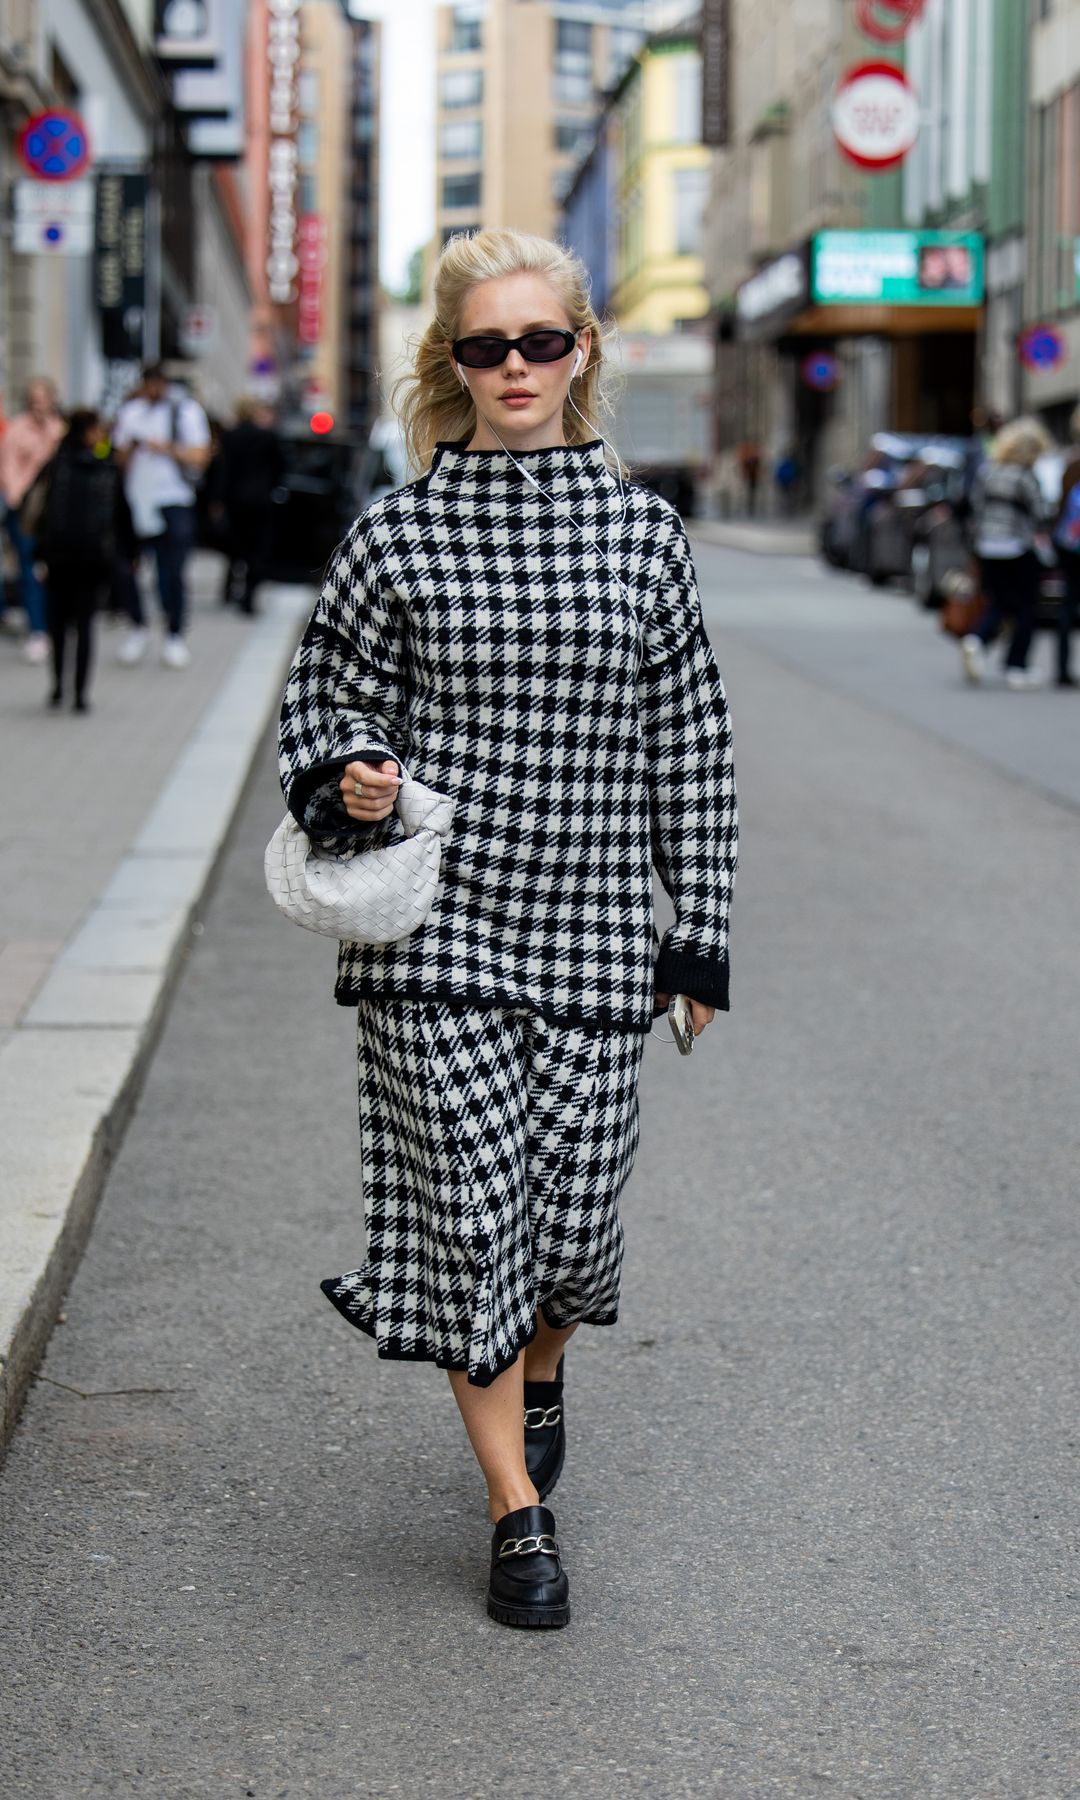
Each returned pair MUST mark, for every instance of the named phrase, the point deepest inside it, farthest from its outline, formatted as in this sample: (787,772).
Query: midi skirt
(494,1146)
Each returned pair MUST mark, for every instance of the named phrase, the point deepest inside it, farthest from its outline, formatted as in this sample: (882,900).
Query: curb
(758,539)
(71,1071)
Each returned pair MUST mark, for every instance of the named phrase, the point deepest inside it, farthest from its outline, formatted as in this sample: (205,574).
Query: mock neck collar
(455,466)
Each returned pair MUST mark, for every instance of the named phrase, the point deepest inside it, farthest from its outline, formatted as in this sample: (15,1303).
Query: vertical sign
(120,263)
(283,54)
(312,248)
(715,72)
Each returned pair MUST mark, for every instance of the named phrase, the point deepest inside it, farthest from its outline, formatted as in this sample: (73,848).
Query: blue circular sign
(53,146)
(821,371)
(1041,347)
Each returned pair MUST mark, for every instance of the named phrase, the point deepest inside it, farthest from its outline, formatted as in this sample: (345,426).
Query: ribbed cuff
(703,978)
(321,775)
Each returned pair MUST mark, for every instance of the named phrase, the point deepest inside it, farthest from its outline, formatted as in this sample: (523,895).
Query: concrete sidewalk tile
(127,937)
(148,881)
(24,965)
(95,997)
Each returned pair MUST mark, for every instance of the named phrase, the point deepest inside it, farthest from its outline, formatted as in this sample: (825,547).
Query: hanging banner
(888,21)
(120,263)
(875,115)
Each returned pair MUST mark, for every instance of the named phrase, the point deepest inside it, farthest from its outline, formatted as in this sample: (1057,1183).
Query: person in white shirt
(163,445)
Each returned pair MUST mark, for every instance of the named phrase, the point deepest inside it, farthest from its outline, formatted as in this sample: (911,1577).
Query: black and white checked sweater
(477,631)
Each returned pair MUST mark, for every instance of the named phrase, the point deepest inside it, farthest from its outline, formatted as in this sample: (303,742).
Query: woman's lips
(517,400)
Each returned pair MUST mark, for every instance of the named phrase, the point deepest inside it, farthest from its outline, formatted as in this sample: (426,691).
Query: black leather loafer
(545,1432)
(528,1583)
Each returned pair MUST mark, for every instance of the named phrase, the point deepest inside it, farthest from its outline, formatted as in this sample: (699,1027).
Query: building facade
(1051,272)
(520,85)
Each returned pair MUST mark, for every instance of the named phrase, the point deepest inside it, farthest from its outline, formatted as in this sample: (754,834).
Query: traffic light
(321,423)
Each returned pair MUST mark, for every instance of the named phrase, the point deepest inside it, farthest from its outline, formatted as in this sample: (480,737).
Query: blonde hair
(1023,442)
(430,401)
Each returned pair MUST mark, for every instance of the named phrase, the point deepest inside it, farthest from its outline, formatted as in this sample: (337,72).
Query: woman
(1067,544)
(522,630)
(26,446)
(77,543)
(1009,517)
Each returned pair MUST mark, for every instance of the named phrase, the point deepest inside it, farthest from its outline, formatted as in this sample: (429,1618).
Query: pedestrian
(748,457)
(251,466)
(520,628)
(28,443)
(77,542)
(786,476)
(162,441)
(1011,542)
(1067,544)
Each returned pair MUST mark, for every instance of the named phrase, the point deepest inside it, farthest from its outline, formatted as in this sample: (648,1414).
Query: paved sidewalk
(112,825)
(762,537)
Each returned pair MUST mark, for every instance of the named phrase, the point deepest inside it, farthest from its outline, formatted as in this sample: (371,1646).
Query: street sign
(53,146)
(821,371)
(889,21)
(715,30)
(1041,347)
(53,218)
(120,263)
(875,115)
(898,268)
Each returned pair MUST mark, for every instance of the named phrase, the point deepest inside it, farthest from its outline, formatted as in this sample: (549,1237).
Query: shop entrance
(933,383)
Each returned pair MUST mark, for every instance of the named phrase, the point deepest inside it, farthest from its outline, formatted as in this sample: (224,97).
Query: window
(573,38)
(307,93)
(572,89)
(691,190)
(571,134)
(450,231)
(686,124)
(462,139)
(307,144)
(462,87)
(465,33)
(461,190)
(623,45)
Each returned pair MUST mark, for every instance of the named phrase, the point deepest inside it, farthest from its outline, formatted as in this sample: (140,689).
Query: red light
(321,423)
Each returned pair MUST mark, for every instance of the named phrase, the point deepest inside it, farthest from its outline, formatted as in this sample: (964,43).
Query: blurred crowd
(987,528)
(86,502)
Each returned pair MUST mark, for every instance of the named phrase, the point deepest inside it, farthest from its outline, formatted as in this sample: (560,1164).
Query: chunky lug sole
(530,1617)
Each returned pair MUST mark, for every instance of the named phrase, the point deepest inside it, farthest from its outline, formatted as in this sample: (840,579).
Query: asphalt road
(821,1506)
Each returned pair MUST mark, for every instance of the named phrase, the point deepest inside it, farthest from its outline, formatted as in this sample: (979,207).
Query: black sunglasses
(545,346)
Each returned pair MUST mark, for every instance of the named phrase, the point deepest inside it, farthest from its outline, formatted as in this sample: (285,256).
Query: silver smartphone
(681,1021)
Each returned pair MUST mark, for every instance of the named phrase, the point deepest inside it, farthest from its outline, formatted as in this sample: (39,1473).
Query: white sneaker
(133,648)
(973,652)
(1023,680)
(175,653)
(36,647)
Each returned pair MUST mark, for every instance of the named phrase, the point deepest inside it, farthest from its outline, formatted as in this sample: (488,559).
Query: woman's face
(521,401)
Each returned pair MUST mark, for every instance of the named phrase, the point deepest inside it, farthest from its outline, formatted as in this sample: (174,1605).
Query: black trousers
(72,598)
(1069,616)
(249,547)
(1011,586)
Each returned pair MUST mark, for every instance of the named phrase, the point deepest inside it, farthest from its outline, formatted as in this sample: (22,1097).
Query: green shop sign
(897,268)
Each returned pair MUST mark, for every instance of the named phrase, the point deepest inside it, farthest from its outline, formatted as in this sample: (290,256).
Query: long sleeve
(344,698)
(687,732)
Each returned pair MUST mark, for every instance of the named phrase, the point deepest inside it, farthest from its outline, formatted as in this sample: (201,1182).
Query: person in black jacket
(77,544)
(250,465)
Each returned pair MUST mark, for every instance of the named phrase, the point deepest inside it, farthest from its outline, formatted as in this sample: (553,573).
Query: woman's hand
(700,1014)
(380,785)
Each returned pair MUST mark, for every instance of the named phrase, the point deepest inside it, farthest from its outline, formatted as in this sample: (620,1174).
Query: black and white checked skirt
(494,1146)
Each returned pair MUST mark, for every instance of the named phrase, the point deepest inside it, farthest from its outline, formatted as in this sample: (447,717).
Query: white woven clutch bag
(374,897)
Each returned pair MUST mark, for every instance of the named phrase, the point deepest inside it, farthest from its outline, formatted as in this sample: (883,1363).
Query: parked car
(923,511)
(315,505)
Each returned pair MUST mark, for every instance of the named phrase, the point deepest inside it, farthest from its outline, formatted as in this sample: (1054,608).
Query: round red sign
(875,115)
(889,21)
(53,146)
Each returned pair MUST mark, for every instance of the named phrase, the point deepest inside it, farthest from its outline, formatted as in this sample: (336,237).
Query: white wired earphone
(578,360)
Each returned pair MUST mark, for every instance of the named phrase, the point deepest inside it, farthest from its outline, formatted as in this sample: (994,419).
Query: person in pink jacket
(29,442)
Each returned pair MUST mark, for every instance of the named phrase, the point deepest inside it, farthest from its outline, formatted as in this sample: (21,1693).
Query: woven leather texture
(374,897)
